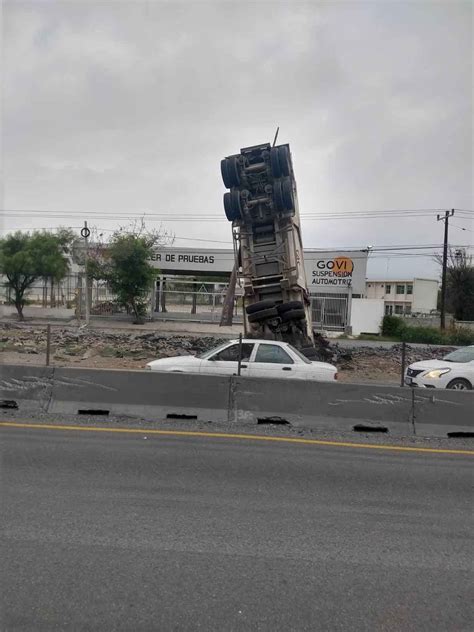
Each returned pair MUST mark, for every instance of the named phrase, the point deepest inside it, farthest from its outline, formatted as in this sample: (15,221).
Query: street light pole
(445,219)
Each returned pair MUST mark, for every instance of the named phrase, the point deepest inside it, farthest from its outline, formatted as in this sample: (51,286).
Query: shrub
(426,335)
(392,326)
(461,337)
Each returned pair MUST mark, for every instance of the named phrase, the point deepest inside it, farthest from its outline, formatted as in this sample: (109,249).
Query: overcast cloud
(128,107)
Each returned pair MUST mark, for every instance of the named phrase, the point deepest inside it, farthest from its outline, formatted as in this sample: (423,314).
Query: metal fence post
(239,365)
(402,376)
(48,343)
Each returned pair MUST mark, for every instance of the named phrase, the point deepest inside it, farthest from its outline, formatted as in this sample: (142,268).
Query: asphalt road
(118,532)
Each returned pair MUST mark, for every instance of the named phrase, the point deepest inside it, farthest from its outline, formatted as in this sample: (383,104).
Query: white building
(414,296)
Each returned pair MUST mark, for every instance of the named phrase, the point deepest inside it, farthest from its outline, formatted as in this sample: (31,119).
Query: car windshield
(460,355)
(300,355)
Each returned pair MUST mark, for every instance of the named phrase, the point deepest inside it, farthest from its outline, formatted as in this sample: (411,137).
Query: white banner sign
(333,271)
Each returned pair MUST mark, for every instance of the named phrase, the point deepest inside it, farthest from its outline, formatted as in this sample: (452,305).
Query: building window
(408,310)
(410,288)
(400,289)
(398,309)
(388,310)
(388,289)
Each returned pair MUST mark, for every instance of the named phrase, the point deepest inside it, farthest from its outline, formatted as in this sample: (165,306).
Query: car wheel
(263,314)
(459,384)
(257,307)
(285,307)
(293,314)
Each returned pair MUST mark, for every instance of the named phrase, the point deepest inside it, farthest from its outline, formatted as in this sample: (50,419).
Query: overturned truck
(262,205)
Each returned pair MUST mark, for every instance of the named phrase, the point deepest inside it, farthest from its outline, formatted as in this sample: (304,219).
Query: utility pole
(444,218)
(85,232)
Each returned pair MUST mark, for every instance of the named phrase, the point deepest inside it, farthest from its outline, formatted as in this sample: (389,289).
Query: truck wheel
(232,211)
(257,307)
(275,162)
(285,307)
(233,169)
(230,172)
(284,160)
(293,314)
(235,203)
(225,174)
(262,314)
(287,194)
(278,196)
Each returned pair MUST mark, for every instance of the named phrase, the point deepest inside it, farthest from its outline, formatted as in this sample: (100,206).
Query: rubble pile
(133,349)
(91,342)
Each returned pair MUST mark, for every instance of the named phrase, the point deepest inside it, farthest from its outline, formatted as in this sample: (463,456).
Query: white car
(260,358)
(456,371)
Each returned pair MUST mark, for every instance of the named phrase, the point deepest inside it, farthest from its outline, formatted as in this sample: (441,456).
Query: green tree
(460,285)
(26,257)
(124,264)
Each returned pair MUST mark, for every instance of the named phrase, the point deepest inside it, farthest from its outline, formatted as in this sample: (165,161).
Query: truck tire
(231,206)
(225,174)
(257,307)
(287,194)
(263,314)
(230,172)
(233,169)
(284,160)
(285,307)
(278,196)
(293,314)
(275,162)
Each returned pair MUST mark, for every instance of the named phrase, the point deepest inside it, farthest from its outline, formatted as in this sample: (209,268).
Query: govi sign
(336,272)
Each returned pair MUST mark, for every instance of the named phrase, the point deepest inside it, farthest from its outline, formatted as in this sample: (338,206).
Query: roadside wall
(30,311)
(239,400)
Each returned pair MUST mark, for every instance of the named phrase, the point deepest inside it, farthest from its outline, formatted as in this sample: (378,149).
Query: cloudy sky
(119,108)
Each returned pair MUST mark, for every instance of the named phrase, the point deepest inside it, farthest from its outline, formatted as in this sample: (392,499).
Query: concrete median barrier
(336,406)
(159,396)
(146,394)
(29,385)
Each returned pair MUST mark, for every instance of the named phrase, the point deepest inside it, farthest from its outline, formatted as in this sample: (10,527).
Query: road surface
(111,531)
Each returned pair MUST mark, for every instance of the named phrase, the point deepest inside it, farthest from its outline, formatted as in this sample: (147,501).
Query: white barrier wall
(366,315)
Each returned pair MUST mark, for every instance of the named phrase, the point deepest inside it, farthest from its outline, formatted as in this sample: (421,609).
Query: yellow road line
(225,435)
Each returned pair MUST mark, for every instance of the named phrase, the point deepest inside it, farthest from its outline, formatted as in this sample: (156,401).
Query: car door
(272,361)
(225,361)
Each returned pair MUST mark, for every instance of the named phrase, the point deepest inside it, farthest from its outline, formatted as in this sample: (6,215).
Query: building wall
(366,315)
(404,296)
(425,295)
